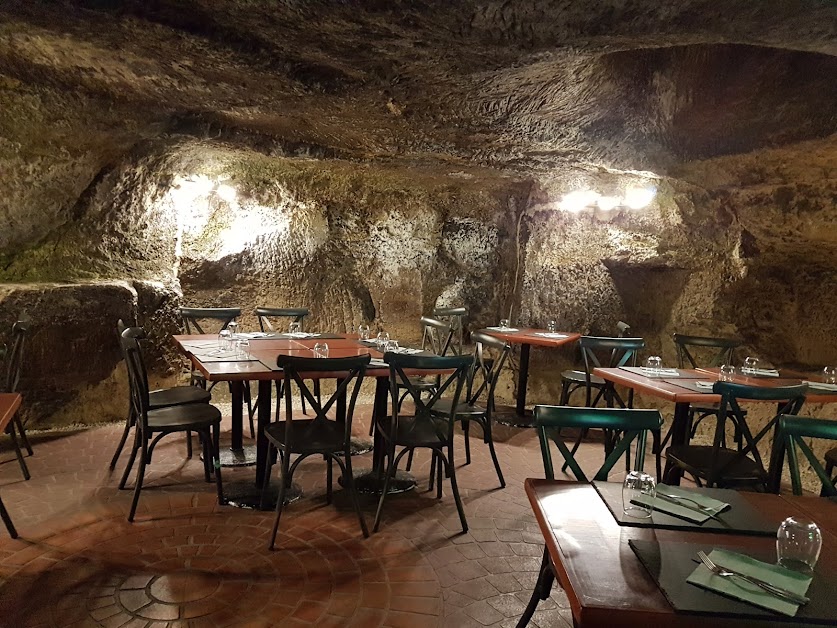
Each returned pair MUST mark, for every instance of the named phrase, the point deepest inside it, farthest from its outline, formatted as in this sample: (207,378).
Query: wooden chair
(550,420)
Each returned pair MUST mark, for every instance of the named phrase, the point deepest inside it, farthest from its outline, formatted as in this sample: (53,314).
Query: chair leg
(466,431)
(270,453)
(280,503)
(131,459)
(489,438)
(140,477)
(11,432)
(329,478)
(250,412)
(4,514)
(385,491)
(439,476)
(128,425)
(543,586)
(215,450)
(432,481)
(448,460)
(409,464)
(188,444)
(23,437)
(349,483)
(656,447)
(207,456)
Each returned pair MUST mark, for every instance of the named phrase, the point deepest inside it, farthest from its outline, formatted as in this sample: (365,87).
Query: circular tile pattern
(183,586)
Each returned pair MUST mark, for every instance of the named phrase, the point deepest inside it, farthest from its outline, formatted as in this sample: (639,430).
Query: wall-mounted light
(635,197)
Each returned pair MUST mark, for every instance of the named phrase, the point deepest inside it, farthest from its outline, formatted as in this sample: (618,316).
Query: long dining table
(258,364)
(682,391)
(607,584)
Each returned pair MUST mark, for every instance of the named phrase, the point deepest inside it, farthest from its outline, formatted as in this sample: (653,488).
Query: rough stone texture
(388,157)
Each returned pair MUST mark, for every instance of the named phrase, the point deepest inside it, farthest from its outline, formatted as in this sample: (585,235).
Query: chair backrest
(790,400)
(723,350)
(137,374)
(295,313)
(454,316)
(793,430)
(622,329)
(458,366)
(192,317)
(14,359)
(605,352)
(487,368)
(632,424)
(349,374)
(436,335)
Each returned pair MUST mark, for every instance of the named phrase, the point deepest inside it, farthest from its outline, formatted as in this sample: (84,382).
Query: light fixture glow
(607,203)
(640,197)
(578,200)
(226,192)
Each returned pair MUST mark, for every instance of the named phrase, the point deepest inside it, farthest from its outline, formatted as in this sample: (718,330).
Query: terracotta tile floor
(188,562)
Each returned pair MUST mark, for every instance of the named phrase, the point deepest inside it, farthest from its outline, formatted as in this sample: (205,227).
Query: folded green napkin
(740,589)
(672,508)
(694,496)
(686,508)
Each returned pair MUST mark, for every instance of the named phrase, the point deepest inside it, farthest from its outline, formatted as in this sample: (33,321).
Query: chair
(7,520)
(454,316)
(297,315)
(575,380)
(550,420)
(162,398)
(154,424)
(791,434)
(320,435)
(424,428)
(717,466)
(830,462)
(221,317)
(14,366)
(478,404)
(436,338)
(721,352)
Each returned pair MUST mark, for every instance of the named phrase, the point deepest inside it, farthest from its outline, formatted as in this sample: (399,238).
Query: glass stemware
(363,331)
(829,375)
(233,327)
(242,347)
(751,363)
(392,346)
(726,373)
(224,340)
(654,364)
(798,544)
(321,350)
(294,328)
(381,340)
(551,327)
(504,323)
(638,484)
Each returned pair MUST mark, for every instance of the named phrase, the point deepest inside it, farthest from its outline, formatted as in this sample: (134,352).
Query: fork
(724,572)
(698,505)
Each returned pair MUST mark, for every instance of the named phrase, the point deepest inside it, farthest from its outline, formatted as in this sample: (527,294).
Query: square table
(605,582)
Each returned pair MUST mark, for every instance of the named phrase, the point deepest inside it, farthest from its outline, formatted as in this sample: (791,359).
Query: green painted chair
(633,425)
(792,432)
(718,466)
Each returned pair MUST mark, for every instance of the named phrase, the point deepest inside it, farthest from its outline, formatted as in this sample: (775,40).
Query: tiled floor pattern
(188,562)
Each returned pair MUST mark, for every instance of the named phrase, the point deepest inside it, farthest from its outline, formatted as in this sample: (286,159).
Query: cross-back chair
(718,466)
(153,424)
(423,428)
(574,380)
(14,367)
(454,317)
(633,425)
(162,398)
(791,435)
(321,435)
(436,338)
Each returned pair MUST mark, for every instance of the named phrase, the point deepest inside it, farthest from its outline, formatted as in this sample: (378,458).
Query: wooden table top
(9,404)
(667,388)
(604,580)
(526,336)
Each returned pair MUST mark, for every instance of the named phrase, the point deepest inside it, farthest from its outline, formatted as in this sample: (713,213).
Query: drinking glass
(233,327)
(727,373)
(638,484)
(294,328)
(363,331)
(829,375)
(321,350)
(654,364)
(798,544)
(224,340)
(382,340)
(551,327)
(242,347)
(504,323)
(750,364)
(392,346)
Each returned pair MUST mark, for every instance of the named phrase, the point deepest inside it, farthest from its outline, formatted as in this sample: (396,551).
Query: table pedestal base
(361,446)
(367,482)
(245,494)
(508,415)
(243,457)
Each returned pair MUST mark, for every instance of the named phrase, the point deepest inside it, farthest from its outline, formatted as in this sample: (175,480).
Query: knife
(790,595)
(693,507)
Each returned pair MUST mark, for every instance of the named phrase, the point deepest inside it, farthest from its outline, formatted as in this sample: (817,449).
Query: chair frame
(14,366)
(388,426)
(349,372)
(569,386)
(454,316)
(791,434)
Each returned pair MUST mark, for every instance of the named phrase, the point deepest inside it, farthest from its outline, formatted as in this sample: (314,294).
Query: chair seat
(443,406)
(580,377)
(176,396)
(695,459)
(710,408)
(423,432)
(191,416)
(309,437)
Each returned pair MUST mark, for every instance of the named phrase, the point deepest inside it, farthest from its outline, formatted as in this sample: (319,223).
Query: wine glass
(798,544)
(233,327)
(363,331)
(750,364)
(504,323)
(392,346)
(654,364)
(551,326)
(638,484)
(829,375)
(242,347)
(382,340)
(224,340)
(321,350)
(726,373)
(294,328)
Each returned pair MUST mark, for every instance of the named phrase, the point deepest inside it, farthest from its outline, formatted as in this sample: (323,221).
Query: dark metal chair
(162,398)
(550,420)
(478,404)
(154,424)
(296,315)
(14,366)
(717,466)
(320,435)
(454,316)
(791,434)
(436,338)
(423,428)
(721,352)
(7,520)
(574,380)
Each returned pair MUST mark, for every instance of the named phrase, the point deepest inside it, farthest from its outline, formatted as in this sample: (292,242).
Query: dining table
(597,563)
(689,386)
(526,337)
(258,363)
